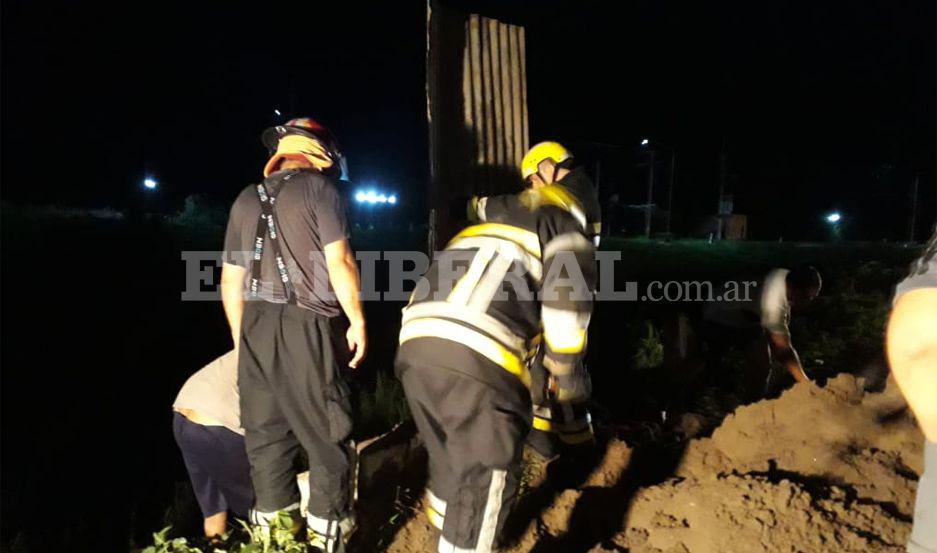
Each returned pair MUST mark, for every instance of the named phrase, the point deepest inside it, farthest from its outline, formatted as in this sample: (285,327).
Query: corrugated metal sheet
(476,94)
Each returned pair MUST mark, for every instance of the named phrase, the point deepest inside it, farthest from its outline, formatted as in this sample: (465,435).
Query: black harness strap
(266,226)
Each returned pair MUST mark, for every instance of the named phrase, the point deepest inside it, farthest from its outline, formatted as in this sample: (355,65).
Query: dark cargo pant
(293,395)
(474,434)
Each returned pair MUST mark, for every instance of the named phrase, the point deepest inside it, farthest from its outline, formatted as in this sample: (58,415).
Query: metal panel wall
(476,93)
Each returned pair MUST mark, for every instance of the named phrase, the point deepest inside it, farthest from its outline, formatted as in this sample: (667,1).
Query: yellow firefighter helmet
(537,154)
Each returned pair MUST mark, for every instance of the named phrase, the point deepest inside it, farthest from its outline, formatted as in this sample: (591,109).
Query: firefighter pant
(474,432)
(293,396)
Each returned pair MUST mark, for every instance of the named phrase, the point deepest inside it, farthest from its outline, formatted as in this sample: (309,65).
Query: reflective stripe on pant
(559,425)
(492,517)
(292,396)
(474,435)
(329,535)
(924,535)
(435,509)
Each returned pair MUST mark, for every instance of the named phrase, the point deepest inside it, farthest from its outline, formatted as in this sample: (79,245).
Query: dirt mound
(754,513)
(865,442)
(819,469)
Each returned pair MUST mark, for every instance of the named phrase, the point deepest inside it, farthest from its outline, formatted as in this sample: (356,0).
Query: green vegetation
(281,538)
(650,350)
(382,409)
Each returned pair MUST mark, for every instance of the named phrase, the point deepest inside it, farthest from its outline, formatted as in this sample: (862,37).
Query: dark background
(820,105)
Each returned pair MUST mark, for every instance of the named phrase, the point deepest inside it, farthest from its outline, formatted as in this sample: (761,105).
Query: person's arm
(912,354)
(232,297)
(782,350)
(233,275)
(775,319)
(343,274)
(566,294)
(493,209)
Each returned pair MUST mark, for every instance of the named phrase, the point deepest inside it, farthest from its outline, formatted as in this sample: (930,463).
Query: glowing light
(276,111)
(645,142)
(372,196)
(834,217)
(150,183)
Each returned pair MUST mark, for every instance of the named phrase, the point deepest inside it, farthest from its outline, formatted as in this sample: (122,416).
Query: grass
(382,408)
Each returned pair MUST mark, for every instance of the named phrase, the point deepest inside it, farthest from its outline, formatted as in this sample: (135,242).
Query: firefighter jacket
(523,274)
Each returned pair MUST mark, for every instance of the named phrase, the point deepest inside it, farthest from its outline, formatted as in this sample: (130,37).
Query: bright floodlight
(360,197)
(371,197)
(645,142)
(834,217)
(392,199)
(382,199)
(150,184)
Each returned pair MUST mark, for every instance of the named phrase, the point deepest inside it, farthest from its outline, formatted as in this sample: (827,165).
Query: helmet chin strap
(556,169)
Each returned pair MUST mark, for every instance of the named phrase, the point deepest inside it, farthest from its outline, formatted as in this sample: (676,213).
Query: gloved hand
(574,387)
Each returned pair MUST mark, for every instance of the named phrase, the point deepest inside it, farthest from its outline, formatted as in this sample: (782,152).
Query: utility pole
(673,168)
(722,189)
(650,194)
(914,186)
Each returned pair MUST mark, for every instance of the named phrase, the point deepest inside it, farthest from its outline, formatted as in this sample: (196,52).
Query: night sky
(821,104)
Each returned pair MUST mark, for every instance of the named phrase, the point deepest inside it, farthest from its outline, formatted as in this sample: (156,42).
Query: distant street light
(276,111)
(150,183)
(645,142)
(835,219)
(372,197)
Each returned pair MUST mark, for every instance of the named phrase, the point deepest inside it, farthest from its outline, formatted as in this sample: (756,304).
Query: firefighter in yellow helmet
(548,168)
(498,293)
(551,163)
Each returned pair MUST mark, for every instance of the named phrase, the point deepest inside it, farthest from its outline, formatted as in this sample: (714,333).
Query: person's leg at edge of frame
(924,533)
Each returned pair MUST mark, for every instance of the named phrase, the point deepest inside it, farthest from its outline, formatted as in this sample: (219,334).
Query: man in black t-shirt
(286,242)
